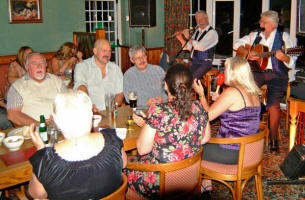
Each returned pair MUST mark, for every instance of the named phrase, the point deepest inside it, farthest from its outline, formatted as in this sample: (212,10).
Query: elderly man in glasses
(144,79)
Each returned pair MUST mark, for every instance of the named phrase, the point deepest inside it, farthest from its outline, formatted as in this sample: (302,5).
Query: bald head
(102,52)
(101,42)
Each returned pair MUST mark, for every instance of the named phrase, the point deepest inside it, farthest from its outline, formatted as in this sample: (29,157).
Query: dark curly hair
(179,81)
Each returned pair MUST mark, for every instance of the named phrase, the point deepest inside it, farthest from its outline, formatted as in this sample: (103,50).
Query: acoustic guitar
(263,53)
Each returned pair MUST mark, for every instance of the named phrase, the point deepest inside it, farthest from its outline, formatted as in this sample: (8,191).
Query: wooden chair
(207,80)
(249,165)
(177,179)
(119,194)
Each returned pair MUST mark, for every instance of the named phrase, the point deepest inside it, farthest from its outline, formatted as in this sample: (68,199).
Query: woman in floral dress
(173,131)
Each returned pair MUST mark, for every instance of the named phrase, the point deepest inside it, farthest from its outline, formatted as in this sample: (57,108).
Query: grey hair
(72,112)
(271,14)
(201,12)
(34,53)
(135,49)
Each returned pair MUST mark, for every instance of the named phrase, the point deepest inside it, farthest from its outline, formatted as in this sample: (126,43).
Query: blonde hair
(239,73)
(66,51)
(273,15)
(20,54)
(73,113)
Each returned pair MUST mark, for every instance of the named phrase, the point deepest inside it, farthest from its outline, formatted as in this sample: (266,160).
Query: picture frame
(25,11)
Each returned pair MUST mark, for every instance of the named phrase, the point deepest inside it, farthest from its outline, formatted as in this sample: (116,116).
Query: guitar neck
(266,54)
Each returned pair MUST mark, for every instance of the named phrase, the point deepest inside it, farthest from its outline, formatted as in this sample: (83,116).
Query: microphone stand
(182,47)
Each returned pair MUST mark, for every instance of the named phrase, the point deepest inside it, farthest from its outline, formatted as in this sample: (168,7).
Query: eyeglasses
(140,57)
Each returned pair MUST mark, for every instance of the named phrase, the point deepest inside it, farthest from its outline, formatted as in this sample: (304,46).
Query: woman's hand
(36,139)
(215,96)
(72,60)
(197,86)
(138,120)
(95,109)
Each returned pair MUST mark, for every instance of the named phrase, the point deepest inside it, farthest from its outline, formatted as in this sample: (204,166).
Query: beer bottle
(115,111)
(43,129)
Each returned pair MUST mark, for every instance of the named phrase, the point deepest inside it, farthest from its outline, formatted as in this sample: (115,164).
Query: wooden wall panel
(153,57)
(8,59)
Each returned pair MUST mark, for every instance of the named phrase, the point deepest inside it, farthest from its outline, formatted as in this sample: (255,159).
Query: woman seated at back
(238,108)
(173,131)
(84,165)
(16,68)
(64,60)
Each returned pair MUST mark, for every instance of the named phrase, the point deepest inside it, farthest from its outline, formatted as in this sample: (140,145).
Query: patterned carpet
(271,171)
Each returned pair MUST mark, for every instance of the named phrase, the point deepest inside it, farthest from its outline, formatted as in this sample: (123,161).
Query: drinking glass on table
(109,102)
(132,96)
(52,134)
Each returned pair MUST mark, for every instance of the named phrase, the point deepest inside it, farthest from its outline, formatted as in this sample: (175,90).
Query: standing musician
(275,76)
(201,45)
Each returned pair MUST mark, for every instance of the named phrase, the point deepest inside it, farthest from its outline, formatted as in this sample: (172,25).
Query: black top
(94,178)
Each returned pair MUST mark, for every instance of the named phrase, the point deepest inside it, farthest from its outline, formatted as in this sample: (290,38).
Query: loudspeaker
(297,89)
(142,13)
(294,164)
(301,16)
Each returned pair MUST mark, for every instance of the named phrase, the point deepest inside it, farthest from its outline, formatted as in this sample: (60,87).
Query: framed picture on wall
(25,11)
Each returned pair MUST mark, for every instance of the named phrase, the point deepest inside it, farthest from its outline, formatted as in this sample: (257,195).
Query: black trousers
(215,153)
(200,68)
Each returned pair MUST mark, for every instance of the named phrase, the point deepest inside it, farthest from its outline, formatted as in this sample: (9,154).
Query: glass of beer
(133,99)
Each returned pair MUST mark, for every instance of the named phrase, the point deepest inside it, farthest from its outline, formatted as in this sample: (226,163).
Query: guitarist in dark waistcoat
(274,73)
(201,45)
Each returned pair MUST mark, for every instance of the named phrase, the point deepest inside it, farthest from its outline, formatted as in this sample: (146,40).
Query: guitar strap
(257,40)
(253,64)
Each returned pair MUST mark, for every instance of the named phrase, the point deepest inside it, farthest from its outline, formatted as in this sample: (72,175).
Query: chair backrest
(176,178)
(251,149)
(251,152)
(119,194)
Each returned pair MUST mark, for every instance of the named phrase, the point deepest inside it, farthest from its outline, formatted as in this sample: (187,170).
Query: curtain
(176,17)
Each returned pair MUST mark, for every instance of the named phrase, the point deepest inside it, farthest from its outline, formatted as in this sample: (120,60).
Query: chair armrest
(165,166)
(235,140)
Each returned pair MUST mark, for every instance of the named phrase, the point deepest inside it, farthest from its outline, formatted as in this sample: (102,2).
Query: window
(103,14)
(195,5)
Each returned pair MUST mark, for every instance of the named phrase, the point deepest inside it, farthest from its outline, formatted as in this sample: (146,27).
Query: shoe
(206,194)
(274,145)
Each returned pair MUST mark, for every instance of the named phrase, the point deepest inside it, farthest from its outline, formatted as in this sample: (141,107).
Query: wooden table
(295,106)
(120,122)
(22,172)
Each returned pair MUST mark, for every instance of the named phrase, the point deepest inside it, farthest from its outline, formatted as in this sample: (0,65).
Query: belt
(269,70)
(208,59)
